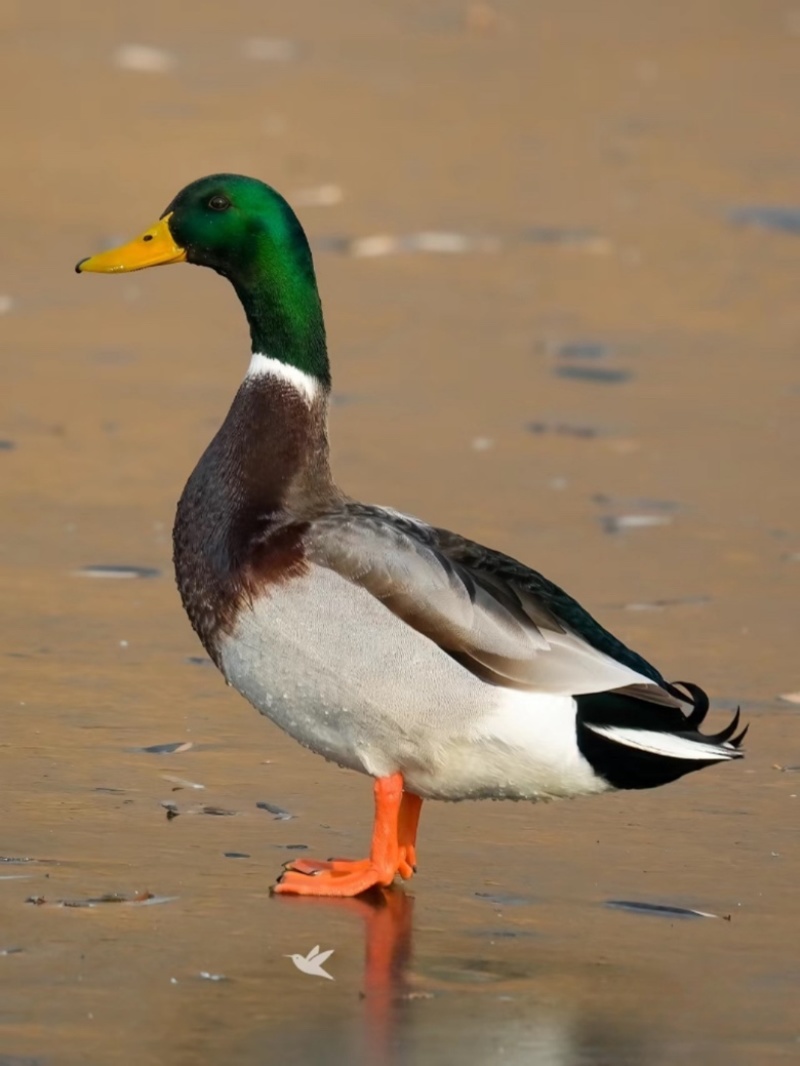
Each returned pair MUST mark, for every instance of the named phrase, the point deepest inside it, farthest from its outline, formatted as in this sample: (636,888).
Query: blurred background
(558,246)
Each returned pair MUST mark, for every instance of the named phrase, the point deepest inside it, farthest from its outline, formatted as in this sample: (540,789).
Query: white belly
(334,668)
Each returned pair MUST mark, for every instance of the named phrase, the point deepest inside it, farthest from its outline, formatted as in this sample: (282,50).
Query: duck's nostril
(147,237)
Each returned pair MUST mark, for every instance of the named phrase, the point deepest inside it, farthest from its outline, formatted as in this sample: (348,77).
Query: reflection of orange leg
(388,918)
(407,823)
(307,877)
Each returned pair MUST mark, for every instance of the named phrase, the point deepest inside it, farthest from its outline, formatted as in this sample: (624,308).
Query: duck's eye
(219,203)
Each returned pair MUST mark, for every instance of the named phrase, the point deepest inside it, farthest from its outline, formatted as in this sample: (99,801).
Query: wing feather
(502,621)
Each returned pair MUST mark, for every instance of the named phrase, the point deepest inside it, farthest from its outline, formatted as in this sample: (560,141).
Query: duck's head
(225,221)
(247,232)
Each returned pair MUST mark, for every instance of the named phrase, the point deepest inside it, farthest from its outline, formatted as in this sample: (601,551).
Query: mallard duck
(440,668)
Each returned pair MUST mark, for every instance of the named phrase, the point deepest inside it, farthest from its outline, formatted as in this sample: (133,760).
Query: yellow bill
(154,247)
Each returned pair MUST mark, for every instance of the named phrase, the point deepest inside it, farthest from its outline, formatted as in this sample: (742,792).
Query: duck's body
(378,641)
(439,667)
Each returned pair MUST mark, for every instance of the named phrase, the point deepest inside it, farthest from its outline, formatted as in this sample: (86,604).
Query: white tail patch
(667,744)
(265,366)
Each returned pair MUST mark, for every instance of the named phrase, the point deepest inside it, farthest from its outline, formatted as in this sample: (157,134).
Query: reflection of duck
(439,667)
(388,919)
(464,999)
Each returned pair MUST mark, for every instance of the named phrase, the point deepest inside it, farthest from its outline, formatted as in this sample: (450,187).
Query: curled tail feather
(636,738)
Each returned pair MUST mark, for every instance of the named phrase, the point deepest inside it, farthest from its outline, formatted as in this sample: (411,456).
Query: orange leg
(391,851)
(407,823)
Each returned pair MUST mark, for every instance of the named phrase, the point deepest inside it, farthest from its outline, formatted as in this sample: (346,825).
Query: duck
(440,668)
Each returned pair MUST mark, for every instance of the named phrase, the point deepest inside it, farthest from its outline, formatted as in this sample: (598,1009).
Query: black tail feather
(737,741)
(629,767)
(726,733)
(698,699)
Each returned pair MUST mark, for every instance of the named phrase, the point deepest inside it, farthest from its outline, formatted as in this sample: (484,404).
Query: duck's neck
(280,298)
(282,405)
(280,441)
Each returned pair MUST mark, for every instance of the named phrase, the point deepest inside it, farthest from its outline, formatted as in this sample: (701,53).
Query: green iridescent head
(247,232)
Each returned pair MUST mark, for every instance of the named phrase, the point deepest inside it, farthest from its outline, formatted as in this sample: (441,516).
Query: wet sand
(589,157)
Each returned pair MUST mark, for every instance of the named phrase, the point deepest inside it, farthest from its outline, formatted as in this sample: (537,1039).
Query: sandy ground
(588,157)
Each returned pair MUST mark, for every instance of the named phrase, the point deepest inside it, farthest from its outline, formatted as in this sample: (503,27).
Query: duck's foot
(406,865)
(392,851)
(338,878)
(312,867)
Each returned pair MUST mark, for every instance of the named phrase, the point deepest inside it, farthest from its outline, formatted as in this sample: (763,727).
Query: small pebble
(277,812)
(206,976)
(181,782)
(617,523)
(784,219)
(143,58)
(790,697)
(657,908)
(659,605)
(7,445)
(236,855)
(109,571)
(431,241)
(376,245)
(176,747)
